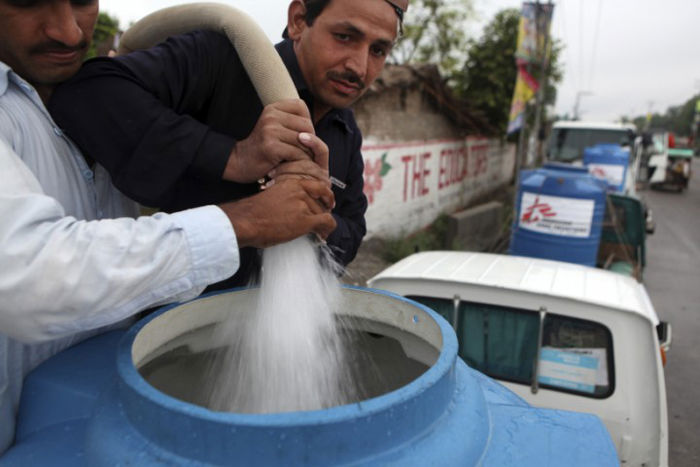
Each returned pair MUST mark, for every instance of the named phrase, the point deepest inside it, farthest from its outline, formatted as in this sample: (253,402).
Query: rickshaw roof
(675,152)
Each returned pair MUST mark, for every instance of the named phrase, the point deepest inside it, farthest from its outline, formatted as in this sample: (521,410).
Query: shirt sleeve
(60,275)
(145,105)
(349,212)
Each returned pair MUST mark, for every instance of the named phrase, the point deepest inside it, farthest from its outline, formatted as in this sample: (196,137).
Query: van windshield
(567,144)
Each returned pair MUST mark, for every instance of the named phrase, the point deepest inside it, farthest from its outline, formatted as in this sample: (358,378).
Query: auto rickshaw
(671,168)
(668,166)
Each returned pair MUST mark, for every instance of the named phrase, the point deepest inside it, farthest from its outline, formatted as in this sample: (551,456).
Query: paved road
(672,278)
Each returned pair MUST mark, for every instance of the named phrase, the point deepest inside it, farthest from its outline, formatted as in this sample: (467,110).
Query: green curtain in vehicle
(498,341)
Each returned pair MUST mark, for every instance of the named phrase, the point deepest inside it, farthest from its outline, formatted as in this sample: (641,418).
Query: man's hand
(283,212)
(283,133)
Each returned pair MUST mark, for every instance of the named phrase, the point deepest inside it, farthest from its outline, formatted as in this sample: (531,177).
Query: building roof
(521,274)
(428,80)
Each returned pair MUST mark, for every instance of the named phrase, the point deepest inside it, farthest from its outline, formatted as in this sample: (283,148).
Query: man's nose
(357,63)
(62,25)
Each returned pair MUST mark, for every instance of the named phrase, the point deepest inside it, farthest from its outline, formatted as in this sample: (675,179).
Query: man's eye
(378,51)
(342,37)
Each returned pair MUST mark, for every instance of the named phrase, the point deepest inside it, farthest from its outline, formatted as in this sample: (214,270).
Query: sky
(621,57)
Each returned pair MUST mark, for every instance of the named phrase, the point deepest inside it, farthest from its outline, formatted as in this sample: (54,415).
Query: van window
(501,342)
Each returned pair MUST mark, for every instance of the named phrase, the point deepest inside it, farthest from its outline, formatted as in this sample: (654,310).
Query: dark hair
(313,9)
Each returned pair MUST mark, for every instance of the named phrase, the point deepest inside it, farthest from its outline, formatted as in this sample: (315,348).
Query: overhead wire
(594,52)
(580,50)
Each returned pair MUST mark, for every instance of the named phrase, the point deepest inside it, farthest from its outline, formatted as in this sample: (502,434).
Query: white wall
(409,184)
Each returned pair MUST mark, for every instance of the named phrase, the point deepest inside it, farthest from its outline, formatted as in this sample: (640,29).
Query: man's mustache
(347,76)
(60,47)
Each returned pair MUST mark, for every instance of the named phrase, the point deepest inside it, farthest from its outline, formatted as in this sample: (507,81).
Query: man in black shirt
(180,125)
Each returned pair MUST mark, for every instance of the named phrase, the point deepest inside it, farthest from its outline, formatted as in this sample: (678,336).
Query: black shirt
(163,122)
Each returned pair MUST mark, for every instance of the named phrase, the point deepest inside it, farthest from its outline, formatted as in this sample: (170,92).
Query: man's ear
(295,19)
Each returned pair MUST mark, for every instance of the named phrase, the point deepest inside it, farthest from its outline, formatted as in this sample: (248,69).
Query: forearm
(139,115)
(60,275)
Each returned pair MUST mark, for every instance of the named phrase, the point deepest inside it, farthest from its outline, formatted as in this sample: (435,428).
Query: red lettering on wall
(479,153)
(407,160)
(415,174)
(453,166)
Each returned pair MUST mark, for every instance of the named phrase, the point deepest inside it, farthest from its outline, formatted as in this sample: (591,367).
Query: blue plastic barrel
(560,211)
(608,162)
(90,406)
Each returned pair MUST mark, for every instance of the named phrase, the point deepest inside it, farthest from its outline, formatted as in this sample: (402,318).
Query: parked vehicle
(670,167)
(627,217)
(560,335)
(569,139)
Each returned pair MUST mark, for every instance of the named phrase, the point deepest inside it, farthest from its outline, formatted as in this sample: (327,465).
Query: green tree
(677,119)
(105,30)
(434,32)
(488,78)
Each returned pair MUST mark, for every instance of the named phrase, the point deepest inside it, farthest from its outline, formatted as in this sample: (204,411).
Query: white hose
(259,57)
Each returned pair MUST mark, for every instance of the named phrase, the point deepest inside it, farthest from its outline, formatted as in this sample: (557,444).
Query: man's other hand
(283,133)
(285,211)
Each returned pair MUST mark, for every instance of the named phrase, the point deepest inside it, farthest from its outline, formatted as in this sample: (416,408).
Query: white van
(568,139)
(600,344)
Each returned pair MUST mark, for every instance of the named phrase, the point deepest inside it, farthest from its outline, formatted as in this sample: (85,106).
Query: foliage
(431,238)
(434,32)
(488,78)
(102,37)
(678,119)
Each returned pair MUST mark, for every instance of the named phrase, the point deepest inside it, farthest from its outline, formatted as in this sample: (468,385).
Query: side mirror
(665,334)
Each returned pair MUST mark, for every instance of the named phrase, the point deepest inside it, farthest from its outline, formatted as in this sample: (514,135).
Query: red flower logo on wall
(374,172)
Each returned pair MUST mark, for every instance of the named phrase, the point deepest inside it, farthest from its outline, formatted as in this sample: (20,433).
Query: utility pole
(539,100)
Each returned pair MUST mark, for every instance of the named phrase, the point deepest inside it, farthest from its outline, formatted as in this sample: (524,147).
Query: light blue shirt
(73,260)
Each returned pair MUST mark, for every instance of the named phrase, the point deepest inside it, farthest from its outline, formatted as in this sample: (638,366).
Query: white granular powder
(287,355)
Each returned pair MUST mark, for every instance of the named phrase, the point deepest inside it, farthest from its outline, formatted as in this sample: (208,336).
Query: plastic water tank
(608,162)
(90,405)
(560,211)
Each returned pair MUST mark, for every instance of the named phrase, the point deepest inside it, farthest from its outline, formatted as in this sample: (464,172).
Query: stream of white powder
(287,353)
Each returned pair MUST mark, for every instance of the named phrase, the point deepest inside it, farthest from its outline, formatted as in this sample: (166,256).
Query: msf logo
(597,172)
(537,211)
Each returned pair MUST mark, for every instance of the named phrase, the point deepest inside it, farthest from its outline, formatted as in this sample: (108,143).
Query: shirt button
(58,131)
(87,174)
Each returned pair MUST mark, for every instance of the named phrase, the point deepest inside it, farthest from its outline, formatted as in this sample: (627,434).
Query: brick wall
(418,164)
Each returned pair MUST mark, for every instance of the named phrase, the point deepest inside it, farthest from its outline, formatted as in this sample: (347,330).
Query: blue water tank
(608,162)
(89,405)
(560,209)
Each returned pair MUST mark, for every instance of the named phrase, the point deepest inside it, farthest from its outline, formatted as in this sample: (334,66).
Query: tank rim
(442,368)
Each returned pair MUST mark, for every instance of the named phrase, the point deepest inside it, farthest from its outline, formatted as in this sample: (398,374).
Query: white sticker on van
(601,375)
(567,370)
(556,215)
(613,174)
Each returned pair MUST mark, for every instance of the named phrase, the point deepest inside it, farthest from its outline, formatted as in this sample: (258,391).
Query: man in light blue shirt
(73,260)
